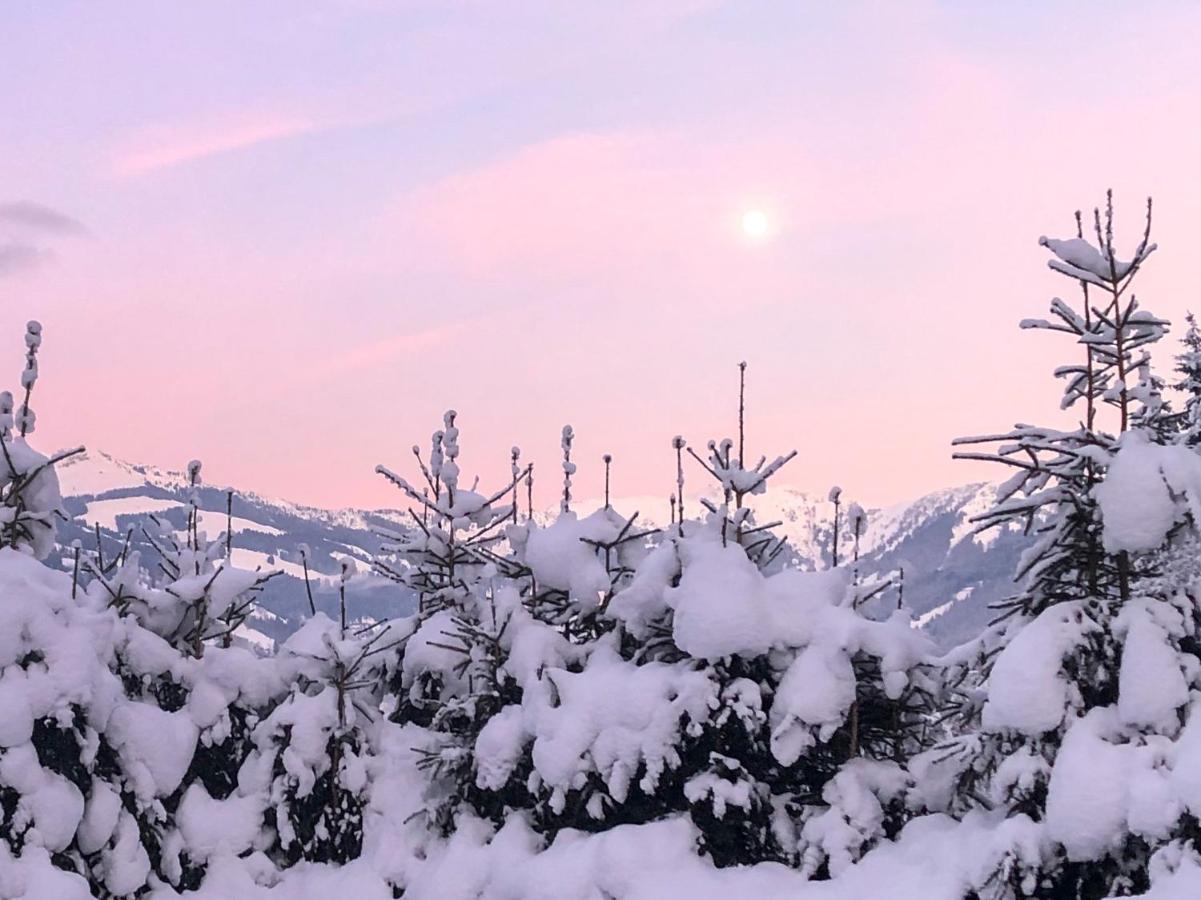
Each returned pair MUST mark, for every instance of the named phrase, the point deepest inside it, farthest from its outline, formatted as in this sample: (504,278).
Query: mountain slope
(100,490)
(951,575)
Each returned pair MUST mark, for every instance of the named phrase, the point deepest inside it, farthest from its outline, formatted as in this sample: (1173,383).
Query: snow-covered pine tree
(43,766)
(781,650)
(83,776)
(309,761)
(29,498)
(447,675)
(195,597)
(1045,697)
(854,786)
(190,699)
(62,714)
(1188,368)
(525,649)
(571,566)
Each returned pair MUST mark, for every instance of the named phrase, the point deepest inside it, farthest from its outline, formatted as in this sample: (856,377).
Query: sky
(284,237)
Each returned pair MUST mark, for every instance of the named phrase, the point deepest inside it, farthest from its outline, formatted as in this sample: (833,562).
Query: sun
(755,224)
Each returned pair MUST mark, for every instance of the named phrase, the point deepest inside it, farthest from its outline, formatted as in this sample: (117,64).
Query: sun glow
(755,224)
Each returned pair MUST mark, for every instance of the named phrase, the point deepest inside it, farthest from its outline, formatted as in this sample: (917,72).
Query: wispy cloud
(35,217)
(165,146)
(18,257)
(26,231)
(387,349)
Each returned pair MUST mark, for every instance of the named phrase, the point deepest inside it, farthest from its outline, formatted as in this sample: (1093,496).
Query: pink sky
(302,235)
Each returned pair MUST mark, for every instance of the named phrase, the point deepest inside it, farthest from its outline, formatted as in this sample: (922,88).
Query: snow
(1080,259)
(725,606)
(856,797)
(32,875)
(1146,492)
(818,689)
(35,503)
(981,501)
(934,859)
(560,559)
(105,512)
(254,637)
(426,650)
(720,604)
(128,866)
(613,719)
(1027,689)
(16,715)
(215,522)
(218,827)
(1152,686)
(1086,801)
(927,617)
(257,560)
(498,747)
(101,812)
(96,473)
(156,746)
(53,804)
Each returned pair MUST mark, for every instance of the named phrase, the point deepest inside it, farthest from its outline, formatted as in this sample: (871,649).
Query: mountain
(950,575)
(102,491)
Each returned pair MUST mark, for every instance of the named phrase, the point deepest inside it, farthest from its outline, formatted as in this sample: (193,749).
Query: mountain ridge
(950,573)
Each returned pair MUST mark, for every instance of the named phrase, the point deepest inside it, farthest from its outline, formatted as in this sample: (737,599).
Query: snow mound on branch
(643,599)
(1152,684)
(213,827)
(1147,491)
(155,746)
(428,651)
(818,689)
(725,606)
(563,555)
(33,875)
(1027,691)
(612,718)
(1086,799)
(40,499)
(1105,787)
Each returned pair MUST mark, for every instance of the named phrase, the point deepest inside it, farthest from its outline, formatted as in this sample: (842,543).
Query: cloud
(27,233)
(18,257)
(168,144)
(172,145)
(35,217)
(385,350)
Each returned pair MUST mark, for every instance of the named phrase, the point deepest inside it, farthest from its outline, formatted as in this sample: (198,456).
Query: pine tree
(1188,367)
(311,749)
(29,496)
(34,623)
(798,731)
(447,675)
(175,660)
(195,597)
(1037,686)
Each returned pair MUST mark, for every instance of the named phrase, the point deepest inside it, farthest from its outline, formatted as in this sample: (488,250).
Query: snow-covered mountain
(950,575)
(102,491)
